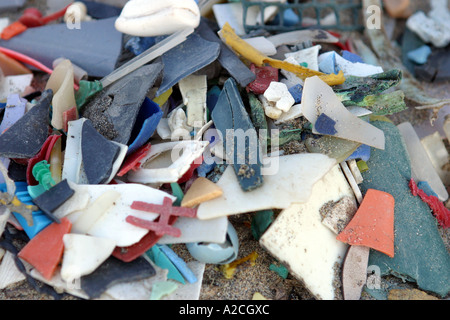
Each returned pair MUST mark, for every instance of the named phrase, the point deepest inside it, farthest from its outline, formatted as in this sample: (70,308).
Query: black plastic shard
(239,136)
(114,271)
(53,198)
(24,139)
(98,154)
(113,111)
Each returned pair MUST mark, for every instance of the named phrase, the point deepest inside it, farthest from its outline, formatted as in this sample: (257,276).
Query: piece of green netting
(348,14)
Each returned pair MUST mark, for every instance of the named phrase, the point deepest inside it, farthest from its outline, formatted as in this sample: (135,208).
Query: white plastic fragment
(196,230)
(351,180)
(172,166)
(353,166)
(319,98)
(421,165)
(9,274)
(193,90)
(428,29)
(72,169)
(279,94)
(269,108)
(438,154)
(307,247)
(294,113)
(349,68)
(145,18)
(262,45)
(83,254)
(14,84)
(299,36)
(291,180)
(308,56)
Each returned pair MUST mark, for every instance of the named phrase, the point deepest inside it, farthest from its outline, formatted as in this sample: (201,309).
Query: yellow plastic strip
(248,52)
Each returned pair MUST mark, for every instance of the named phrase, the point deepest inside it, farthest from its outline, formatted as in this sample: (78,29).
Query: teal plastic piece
(260,222)
(286,20)
(161,260)
(281,270)
(162,288)
(42,174)
(177,192)
(179,263)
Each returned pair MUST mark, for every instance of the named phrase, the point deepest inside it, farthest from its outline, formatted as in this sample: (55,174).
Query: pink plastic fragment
(264,76)
(441,213)
(160,226)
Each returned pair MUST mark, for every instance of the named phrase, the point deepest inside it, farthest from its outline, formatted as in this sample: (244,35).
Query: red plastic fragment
(132,162)
(13,30)
(441,212)
(45,250)
(161,225)
(264,76)
(69,115)
(32,17)
(44,154)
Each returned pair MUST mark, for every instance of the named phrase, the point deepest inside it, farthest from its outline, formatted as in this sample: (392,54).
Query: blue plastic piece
(352,57)
(179,263)
(423,185)
(138,45)
(147,120)
(328,65)
(185,59)
(290,18)
(363,153)
(205,168)
(325,125)
(296,92)
(40,219)
(161,260)
(212,96)
(420,55)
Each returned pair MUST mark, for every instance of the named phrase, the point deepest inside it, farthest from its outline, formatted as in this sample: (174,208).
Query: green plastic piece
(162,261)
(41,172)
(362,166)
(420,253)
(86,91)
(162,288)
(178,193)
(260,222)
(281,270)
(257,113)
(312,8)
(380,104)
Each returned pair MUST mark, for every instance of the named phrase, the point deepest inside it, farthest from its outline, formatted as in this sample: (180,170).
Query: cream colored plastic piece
(9,273)
(83,254)
(308,248)
(56,161)
(353,166)
(89,216)
(290,181)
(269,108)
(278,94)
(173,167)
(351,180)
(61,82)
(78,72)
(438,154)
(193,89)
(72,167)
(318,98)
(177,122)
(145,18)
(294,113)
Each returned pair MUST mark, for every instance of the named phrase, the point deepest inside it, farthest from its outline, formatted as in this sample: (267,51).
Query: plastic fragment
(162,288)
(281,270)
(230,269)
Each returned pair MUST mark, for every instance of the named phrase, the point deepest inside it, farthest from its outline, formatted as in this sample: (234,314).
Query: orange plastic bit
(13,30)
(373,224)
(45,250)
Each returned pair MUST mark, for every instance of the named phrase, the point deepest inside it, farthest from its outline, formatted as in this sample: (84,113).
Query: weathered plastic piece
(95,47)
(217,253)
(420,253)
(193,90)
(354,272)
(195,52)
(422,167)
(114,110)
(179,263)
(160,259)
(114,271)
(25,138)
(308,248)
(72,169)
(230,113)
(320,98)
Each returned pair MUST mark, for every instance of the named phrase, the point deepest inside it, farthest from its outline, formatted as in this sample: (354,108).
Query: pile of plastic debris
(127,131)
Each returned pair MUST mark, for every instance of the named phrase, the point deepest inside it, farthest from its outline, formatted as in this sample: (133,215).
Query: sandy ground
(249,279)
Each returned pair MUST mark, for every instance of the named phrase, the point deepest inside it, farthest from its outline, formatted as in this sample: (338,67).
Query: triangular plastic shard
(25,138)
(242,145)
(95,47)
(83,254)
(420,253)
(319,98)
(309,249)
(373,224)
(114,110)
(98,154)
(291,180)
